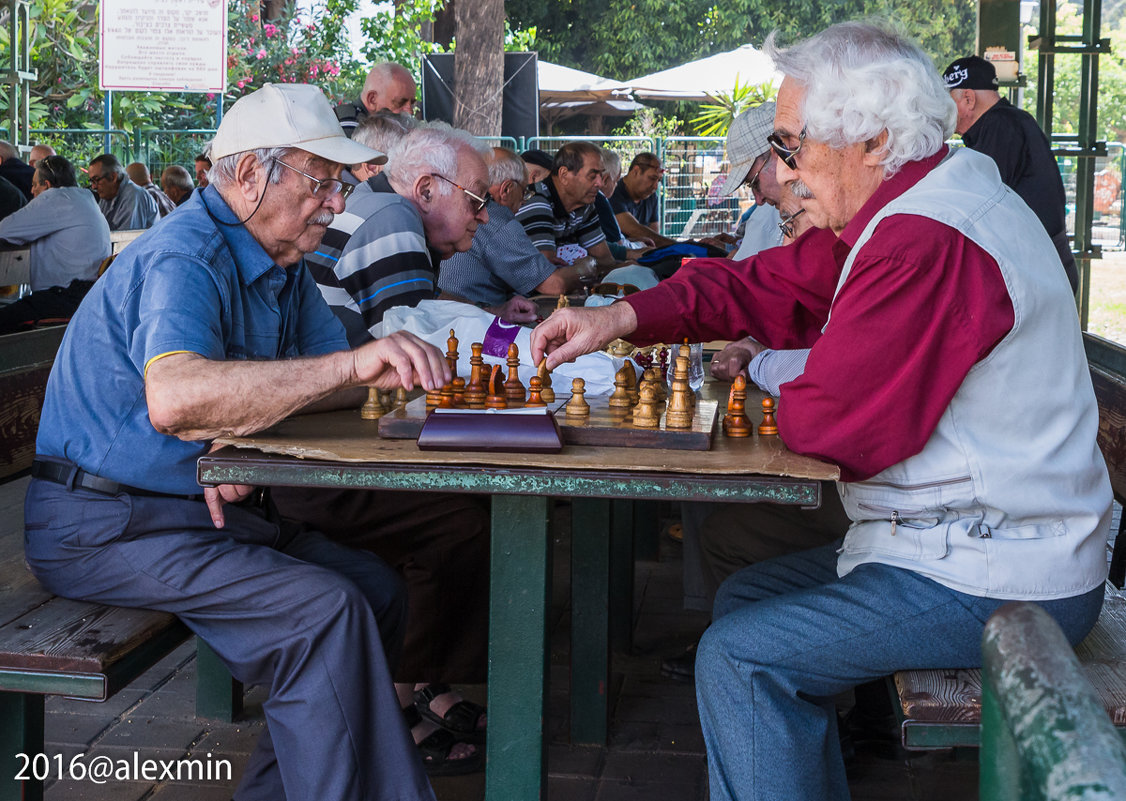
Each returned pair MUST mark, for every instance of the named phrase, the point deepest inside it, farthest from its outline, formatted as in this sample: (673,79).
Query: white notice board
(164,45)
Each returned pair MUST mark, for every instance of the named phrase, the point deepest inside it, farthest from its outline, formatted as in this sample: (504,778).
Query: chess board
(602,426)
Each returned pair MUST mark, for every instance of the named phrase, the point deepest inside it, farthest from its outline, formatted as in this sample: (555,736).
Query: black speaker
(521,96)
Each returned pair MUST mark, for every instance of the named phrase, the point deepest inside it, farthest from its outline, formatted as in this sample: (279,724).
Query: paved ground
(655,752)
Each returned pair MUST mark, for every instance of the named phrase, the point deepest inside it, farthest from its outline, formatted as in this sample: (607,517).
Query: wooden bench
(55,646)
(942,708)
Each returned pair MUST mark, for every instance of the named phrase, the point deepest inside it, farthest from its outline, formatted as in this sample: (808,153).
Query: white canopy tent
(704,78)
(560,84)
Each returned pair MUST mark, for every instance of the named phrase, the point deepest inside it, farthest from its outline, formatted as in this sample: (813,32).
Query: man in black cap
(1010,136)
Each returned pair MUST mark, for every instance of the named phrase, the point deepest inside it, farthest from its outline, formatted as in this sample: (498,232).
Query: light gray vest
(1010,497)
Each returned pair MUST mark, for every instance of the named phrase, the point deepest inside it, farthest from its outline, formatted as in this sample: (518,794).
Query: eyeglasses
(97,179)
(529,192)
(477,202)
(614,289)
(787,154)
(787,224)
(331,186)
(752,182)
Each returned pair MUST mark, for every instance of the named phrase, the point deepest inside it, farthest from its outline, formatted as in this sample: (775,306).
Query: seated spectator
(14,169)
(126,206)
(560,211)
(634,200)
(177,183)
(620,247)
(11,198)
(382,131)
(202,165)
(502,261)
(139,174)
(39,152)
(389,86)
(537,165)
(375,255)
(69,239)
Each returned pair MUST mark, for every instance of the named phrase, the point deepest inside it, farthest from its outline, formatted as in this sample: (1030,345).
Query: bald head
(39,152)
(139,174)
(389,86)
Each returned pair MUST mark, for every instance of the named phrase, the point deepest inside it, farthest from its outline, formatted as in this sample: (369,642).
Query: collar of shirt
(379,182)
(557,209)
(909,175)
(250,258)
(970,137)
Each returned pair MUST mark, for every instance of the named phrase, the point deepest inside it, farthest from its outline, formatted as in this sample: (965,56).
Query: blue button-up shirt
(192,284)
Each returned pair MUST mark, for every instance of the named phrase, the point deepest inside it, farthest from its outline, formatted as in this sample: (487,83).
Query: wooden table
(340,450)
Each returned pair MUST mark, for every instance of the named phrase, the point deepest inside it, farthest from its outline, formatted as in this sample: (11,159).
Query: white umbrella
(703,79)
(560,84)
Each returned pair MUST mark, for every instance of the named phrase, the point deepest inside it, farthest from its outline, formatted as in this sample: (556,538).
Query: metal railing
(692,205)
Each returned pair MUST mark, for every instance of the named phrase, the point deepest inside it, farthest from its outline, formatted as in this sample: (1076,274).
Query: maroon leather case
(493,432)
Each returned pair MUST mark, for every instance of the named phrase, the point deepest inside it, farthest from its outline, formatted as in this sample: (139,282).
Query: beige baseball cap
(288,115)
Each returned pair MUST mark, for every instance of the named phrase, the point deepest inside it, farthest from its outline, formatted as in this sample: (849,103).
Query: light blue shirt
(191,284)
(68,235)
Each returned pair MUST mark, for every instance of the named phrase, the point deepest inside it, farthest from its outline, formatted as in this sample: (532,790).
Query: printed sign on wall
(164,45)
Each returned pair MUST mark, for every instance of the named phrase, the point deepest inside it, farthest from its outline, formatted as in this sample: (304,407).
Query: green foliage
(395,33)
(648,122)
(715,118)
(624,39)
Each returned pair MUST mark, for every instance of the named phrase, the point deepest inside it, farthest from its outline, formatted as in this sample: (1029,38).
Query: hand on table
(399,359)
(571,332)
(517,309)
(734,359)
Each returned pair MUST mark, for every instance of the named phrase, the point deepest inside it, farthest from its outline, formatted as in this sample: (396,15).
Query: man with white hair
(208,325)
(388,86)
(503,262)
(928,318)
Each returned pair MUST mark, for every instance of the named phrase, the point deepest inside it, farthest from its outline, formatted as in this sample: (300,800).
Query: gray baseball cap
(746,141)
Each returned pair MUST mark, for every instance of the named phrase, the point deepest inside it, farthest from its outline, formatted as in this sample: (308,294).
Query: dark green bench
(942,708)
(56,646)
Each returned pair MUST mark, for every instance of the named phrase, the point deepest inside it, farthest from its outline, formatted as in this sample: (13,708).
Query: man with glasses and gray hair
(126,206)
(940,365)
(207,325)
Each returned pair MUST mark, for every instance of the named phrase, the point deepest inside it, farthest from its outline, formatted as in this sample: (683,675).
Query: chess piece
(654,376)
(619,398)
(679,413)
(563,302)
(546,392)
(513,389)
(645,414)
(496,398)
(475,389)
(452,354)
(631,383)
(577,405)
(459,393)
(433,397)
(768,427)
(400,398)
(373,406)
(446,396)
(736,423)
(535,390)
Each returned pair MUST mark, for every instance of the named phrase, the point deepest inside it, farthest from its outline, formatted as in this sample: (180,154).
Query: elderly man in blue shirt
(211,325)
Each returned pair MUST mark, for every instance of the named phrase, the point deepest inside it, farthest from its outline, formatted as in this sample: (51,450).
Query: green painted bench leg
(622,527)
(21,732)
(590,618)
(218,696)
(646,529)
(519,601)
(999,771)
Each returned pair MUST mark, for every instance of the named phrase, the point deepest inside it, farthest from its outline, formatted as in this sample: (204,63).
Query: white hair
(504,165)
(612,162)
(432,147)
(222,172)
(862,78)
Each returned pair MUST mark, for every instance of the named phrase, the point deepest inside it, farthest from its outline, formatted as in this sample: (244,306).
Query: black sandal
(435,750)
(461,719)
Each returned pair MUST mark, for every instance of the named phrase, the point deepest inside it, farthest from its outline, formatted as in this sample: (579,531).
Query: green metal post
(646,529)
(1045,732)
(621,576)
(519,599)
(590,619)
(217,695)
(21,732)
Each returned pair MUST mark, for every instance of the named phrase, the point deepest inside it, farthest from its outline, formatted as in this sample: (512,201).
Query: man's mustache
(800,190)
(324,218)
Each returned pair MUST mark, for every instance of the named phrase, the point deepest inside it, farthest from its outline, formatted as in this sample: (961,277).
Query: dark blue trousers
(283,607)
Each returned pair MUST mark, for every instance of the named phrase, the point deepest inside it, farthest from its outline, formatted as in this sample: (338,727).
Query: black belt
(71,475)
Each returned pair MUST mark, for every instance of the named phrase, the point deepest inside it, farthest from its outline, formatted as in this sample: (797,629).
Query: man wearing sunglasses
(207,324)
(943,370)
(126,206)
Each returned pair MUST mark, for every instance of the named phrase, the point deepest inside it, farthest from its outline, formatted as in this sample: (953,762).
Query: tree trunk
(272,9)
(445,24)
(479,67)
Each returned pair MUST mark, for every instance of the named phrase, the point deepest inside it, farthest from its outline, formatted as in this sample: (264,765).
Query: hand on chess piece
(398,359)
(734,359)
(571,332)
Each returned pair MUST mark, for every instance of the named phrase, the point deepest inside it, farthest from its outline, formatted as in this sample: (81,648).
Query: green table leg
(646,529)
(622,527)
(590,618)
(519,600)
(217,695)
(21,732)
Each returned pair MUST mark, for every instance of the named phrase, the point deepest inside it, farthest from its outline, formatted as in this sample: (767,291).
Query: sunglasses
(614,289)
(476,202)
(331,186)
(787,154)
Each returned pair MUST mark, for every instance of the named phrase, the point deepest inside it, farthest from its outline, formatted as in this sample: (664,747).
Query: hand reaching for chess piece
(734,359)
(571,332)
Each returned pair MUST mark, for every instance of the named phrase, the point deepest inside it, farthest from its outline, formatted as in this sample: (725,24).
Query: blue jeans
(788,635)
(312,620)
